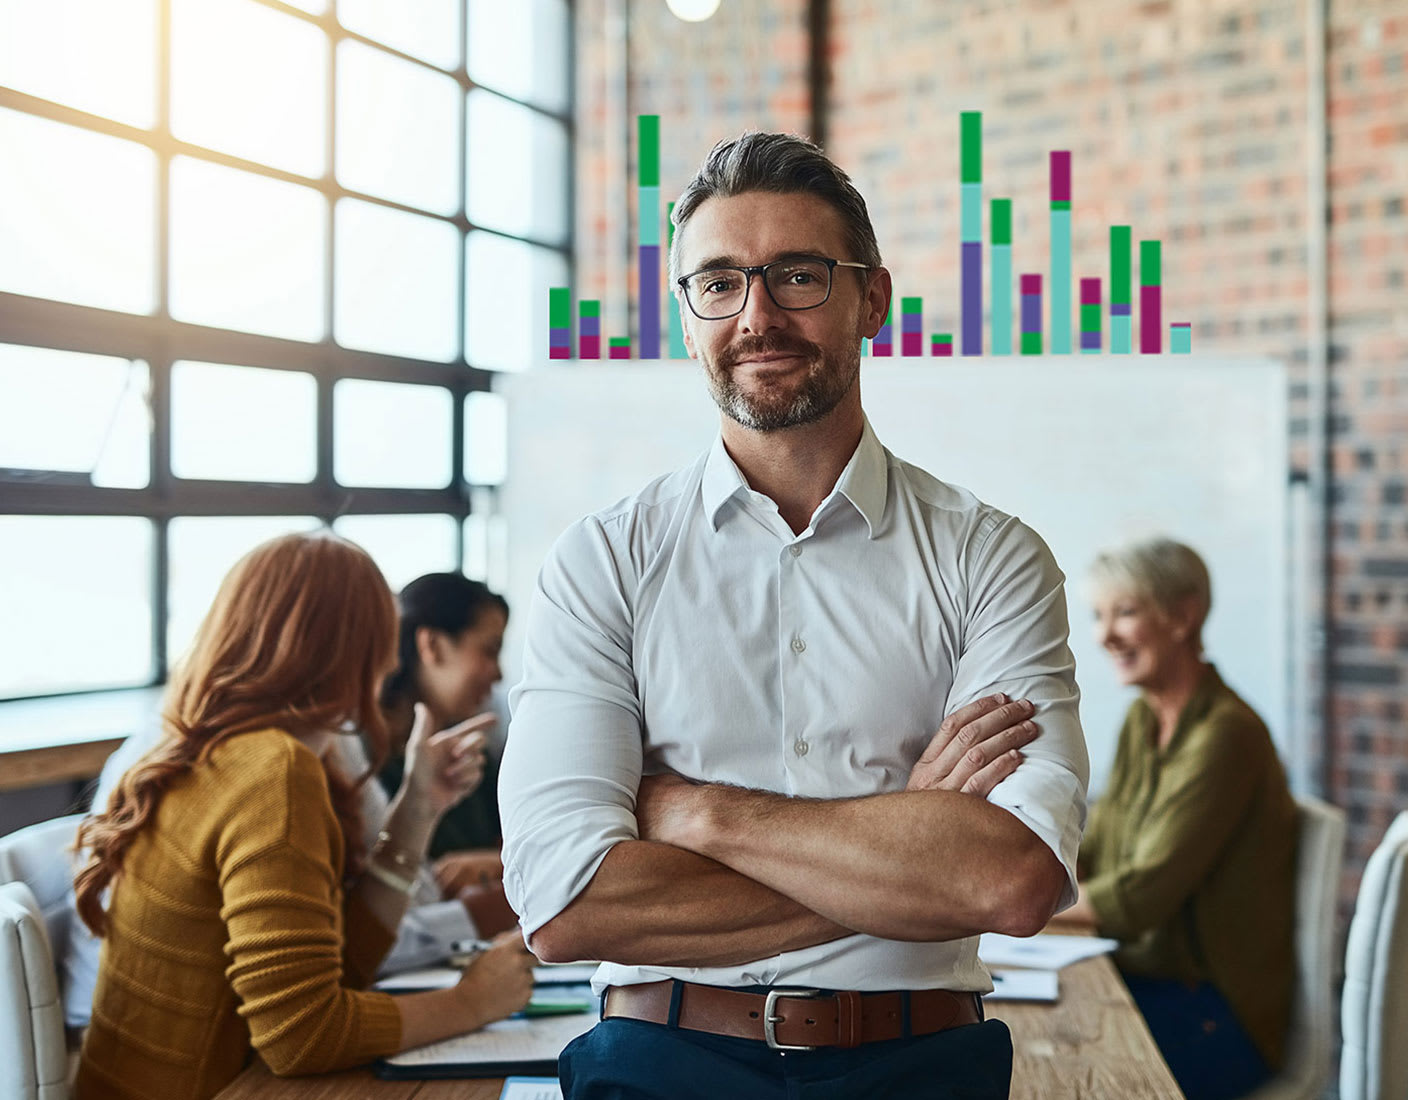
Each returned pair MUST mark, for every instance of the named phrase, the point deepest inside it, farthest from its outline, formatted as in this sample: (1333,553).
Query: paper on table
(427,977)
(1045,951)
(1024,985)
(513,1040)
(563,973)
(531,1088)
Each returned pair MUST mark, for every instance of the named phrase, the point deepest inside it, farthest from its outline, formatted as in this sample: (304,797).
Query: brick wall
(1186,118)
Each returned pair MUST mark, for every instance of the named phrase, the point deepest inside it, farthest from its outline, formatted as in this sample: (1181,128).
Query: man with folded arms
(723,775)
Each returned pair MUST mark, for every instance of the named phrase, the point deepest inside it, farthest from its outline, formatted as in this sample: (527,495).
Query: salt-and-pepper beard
(821,391)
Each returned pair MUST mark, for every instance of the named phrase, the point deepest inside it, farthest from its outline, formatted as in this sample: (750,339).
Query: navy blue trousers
(624,1059)
(1211,1056)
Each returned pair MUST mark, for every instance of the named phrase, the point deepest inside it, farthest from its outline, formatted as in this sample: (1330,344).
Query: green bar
(1060,204)
(943,338)
(670,225)
(649,154)
(1120,237)
(589,307)
(972,127)
(1151,266)
(911,305)
(1031,343)
(559,307)
(1090,317)
(619,342)
(1001,221)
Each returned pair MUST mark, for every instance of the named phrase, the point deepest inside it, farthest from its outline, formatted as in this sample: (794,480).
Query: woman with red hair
(242,909)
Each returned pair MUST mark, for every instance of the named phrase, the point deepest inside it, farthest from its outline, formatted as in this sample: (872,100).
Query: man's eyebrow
(733,261)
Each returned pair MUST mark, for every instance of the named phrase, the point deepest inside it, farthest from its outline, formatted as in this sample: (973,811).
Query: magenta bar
(620,352)
(1090,292)
(1060,175)
(590,346)
(912,343)
(943,351)
(1151,320)
(559,353)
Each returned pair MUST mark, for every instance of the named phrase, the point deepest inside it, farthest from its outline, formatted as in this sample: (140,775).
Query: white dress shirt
(686,629)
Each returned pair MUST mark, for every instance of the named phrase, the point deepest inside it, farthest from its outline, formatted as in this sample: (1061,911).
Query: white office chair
(1374,1009)
(39,857)
(33,1049)
(1319,857)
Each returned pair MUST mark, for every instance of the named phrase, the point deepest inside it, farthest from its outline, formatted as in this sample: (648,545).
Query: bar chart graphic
(1048,318)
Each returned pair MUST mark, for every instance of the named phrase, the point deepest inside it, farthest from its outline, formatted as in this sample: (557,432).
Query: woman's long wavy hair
(300,635)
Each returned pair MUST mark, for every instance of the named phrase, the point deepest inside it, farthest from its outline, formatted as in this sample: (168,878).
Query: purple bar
(972,294)
(1060,175)
(589,326)
(944,350)
(1031,303)
(1121,309)
(590,346)
(560,337)
(911,322)
(1090,292)
(912,343)
(1151,320)
(559,351)
(1090,341)
(649,302)
(620,353)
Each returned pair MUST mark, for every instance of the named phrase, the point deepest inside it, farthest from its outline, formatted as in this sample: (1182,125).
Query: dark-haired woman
(243,911)
(451,632)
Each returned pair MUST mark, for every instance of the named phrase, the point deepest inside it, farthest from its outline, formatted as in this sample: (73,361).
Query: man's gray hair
(784,164)
(1168,573)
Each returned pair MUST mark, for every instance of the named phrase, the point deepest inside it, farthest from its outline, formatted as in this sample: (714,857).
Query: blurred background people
(1189,856)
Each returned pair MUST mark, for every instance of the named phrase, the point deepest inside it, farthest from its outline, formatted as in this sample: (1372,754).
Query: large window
(258,263)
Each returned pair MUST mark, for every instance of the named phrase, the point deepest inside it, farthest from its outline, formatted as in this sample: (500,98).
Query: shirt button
(798,645)
(795,550)
(801,747)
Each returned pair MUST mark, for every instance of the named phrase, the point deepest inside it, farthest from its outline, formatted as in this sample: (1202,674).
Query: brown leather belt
(795,1019)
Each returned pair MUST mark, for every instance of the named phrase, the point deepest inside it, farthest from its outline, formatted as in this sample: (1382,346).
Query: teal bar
(672,302)
(972,212)
(1001,299)
(1060,282)
(1121,334)
(1180,339)
(649,214)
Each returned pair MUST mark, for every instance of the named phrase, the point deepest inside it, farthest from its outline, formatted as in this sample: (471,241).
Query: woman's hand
(498,982)
(443,768)
(470,867)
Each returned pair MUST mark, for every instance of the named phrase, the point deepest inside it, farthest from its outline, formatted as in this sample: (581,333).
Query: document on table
(1024,985)
(515,1045)
(1045,951)
(531,1088)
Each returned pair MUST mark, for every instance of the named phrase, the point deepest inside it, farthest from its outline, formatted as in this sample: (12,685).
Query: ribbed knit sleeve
(279,859)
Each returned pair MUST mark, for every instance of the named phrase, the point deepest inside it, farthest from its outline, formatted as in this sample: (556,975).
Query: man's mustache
(750,346)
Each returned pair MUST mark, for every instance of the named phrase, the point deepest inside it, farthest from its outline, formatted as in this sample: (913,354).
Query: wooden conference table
(1091,1044)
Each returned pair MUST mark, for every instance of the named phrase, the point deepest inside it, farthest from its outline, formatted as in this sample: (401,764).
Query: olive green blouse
(1189,858)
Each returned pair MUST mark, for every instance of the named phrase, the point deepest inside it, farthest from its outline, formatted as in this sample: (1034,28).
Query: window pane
(88,233)
(84,414)
(403,546)
(201,551)
(96,55)
(243,423)
(246,252)
(395,122)
(486,542)
(397,284)
(485,438)
(428,29)
(249,81)
(506,301)
(517,169)
(76,603)
(520,49)
(389,434)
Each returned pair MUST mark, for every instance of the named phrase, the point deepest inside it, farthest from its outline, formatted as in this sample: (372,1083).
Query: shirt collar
(864,481)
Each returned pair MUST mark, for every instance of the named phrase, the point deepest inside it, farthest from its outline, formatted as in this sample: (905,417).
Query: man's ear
(685,318)
(878,288)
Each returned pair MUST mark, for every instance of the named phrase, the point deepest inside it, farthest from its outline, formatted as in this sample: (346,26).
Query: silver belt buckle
(771,1019)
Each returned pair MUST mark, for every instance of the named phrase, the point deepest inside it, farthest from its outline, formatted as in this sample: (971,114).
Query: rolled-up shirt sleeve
(572,762)
(1016,640)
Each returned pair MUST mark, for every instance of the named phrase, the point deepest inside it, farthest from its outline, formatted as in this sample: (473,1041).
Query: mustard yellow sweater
(229,929)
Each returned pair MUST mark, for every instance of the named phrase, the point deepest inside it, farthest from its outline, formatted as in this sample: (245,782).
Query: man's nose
(760,313)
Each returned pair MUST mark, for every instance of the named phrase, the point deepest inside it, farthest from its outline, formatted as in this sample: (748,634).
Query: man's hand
(666,808)
(976,747)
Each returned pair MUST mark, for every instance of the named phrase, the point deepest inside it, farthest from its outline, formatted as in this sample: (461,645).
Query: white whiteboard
(1088,452)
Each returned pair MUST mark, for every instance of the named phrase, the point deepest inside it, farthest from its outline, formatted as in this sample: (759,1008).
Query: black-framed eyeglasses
(793,282)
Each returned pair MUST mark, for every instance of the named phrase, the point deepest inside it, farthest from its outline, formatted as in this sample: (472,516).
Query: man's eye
(800,276)
(718,284)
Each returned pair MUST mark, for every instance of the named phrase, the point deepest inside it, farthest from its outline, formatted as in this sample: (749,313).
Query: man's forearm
(920,865)
(655,904)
